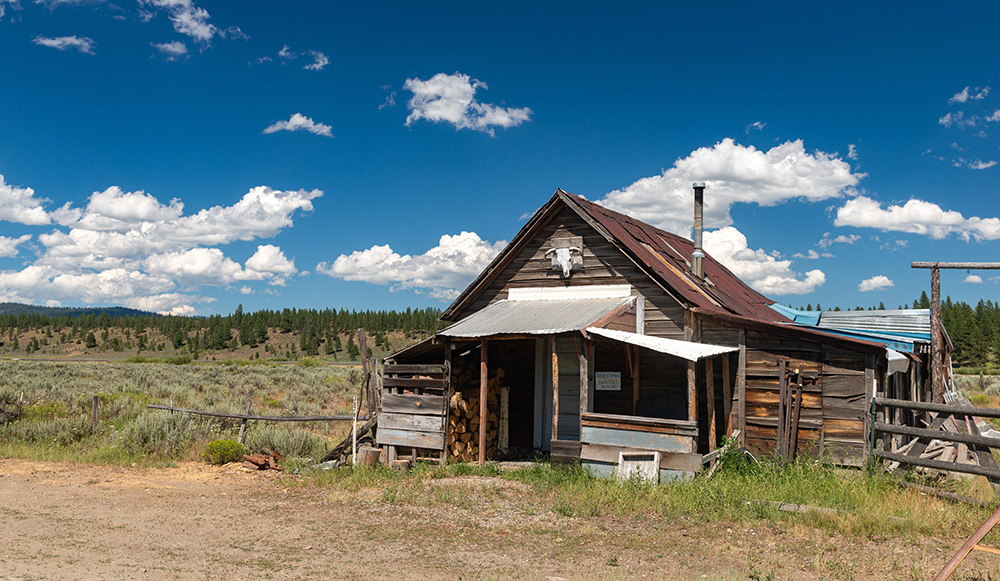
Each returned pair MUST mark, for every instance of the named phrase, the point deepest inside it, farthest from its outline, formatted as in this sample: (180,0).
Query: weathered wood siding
(603,264)
(832,419)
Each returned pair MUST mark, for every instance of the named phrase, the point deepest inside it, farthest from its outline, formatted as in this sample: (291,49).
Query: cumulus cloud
(172,50)
(130,248)
(81,44)
(761,270)
(733,174)
(441,272)
(875,283)
(452,99)
(973,279)
(19,205)
(977,94)
(299,122)
(915,217)
(187,18)
(852,151)
(8,246)
(827,241)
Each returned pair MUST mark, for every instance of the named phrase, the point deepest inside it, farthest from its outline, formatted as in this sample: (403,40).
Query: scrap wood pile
(270,461)
(464,413)
(943,450)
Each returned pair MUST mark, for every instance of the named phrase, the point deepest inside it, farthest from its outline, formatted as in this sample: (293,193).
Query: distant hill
(23,309)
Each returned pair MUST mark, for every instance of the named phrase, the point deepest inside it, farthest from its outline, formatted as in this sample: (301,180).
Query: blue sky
(187,156)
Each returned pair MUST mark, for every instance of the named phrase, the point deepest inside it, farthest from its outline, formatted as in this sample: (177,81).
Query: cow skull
(564,257)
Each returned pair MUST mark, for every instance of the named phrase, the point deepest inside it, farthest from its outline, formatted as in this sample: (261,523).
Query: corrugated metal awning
(683,349)
(541,317)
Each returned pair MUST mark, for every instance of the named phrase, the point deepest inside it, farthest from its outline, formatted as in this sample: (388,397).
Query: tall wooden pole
(483,382)
(937,361)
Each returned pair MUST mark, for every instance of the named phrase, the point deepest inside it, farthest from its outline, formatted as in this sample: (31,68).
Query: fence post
(93,413)
(354,434)
(243,424)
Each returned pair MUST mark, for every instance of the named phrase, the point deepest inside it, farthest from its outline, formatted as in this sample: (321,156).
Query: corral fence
(951,440)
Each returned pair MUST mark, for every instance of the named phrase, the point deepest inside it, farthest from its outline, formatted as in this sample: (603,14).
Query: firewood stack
(463,417)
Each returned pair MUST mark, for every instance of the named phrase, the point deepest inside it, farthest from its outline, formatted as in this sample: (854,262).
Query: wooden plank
(741,387)
(447,398)
(414,382)
(635,439)
(938,435)
(562,451)
(394,368)
(483,400)
(727,396)
(410,439)
(768,397)
(584,379)
(555,388)
(640,424)
(427,405)
(938,465)
(939,407)
(710,401)
(668,461)
(869,395)
(337,418)
(411,422)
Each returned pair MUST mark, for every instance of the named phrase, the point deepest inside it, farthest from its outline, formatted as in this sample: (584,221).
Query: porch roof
(535,317)
(683,349)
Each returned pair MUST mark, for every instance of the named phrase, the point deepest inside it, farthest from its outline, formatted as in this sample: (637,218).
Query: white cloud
(978,94)
(8,246)
(245,290)
(761,270)
(994,117)
(915,217)
(19,205)
(172,50)
(980,164)
(78,43)
(959,120)
(875,283)
(299,122)
(734,174)
(441,272)
(827,242)
(812,255)
(973,279)
(319,61)
(14,5)
(451,99)
(270,260)
(755,126)
(129,248)
(187,18)
(390,99)
(852,151)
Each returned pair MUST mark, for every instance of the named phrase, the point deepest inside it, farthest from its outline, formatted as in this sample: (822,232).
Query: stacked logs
(464,419)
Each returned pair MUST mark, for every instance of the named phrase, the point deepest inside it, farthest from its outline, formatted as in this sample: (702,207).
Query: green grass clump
(980,399)
(289,442)
(223,451)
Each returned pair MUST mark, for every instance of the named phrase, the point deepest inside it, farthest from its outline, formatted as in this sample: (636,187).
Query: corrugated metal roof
(683,349)
(914,323)
(544,317)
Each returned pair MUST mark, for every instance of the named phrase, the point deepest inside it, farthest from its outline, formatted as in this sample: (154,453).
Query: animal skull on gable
(564,258)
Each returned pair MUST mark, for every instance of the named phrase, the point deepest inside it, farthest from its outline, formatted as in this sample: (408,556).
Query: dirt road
(65,521)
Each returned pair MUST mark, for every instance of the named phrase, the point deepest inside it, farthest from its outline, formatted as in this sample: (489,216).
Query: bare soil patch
(70,521)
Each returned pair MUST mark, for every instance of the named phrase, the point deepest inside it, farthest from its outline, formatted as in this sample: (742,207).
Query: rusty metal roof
(666,256)
(537,317)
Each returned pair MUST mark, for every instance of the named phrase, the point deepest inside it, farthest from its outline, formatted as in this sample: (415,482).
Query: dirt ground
(195,521)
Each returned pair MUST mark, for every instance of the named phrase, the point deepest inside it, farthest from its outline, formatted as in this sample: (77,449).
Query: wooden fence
(962,430)
(414,411)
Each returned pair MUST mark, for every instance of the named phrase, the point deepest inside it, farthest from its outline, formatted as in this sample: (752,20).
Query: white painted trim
(605,291)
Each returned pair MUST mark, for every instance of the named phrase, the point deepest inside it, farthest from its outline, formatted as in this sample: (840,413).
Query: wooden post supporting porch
(483,383)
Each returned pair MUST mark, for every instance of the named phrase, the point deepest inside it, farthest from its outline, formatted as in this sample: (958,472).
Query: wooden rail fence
(961,416)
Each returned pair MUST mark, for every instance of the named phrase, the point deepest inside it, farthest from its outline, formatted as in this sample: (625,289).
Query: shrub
(161,434)
(980,400)
(294,442)
(224,451)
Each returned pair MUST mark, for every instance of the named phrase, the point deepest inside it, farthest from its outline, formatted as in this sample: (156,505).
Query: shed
(592,336)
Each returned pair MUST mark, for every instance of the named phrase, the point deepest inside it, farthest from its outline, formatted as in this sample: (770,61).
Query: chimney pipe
(698,256)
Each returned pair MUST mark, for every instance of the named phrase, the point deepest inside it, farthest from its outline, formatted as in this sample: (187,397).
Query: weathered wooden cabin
(609,338)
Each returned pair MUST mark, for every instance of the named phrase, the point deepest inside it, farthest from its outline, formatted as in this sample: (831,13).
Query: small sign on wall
(607,381)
